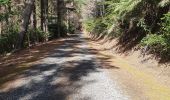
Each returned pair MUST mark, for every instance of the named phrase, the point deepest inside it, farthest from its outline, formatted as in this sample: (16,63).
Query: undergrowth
(141,21)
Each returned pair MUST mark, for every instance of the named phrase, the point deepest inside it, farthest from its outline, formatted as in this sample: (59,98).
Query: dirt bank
(145,63)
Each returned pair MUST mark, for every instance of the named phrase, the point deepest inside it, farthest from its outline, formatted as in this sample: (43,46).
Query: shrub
(8,38)
(96,26)
(37,35)
(166,24)
(89,25)
(159,43)
(53,30)
(71,29)
(41,35)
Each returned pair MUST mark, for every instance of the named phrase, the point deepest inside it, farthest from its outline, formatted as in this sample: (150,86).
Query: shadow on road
(58,75)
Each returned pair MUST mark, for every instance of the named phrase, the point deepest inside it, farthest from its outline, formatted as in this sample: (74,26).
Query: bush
(72,28)
(96,26)
(35,36)
(8,38)
(159,43)
(53,30)
(89,25)
(166,24)
(41,35)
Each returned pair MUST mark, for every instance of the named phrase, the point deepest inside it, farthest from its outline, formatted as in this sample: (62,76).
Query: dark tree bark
(60,8)
(42,14)
(46,16)
(25,22)
(35,21)
(34,16)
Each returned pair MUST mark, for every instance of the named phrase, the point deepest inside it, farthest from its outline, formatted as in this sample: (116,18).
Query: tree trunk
(46,16)
(42,14)
(25,22)
(60,6)
(35,22)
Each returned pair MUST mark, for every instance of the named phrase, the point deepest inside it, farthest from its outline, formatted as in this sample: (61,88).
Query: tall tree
(29,5)
(44,15)
(60,8)
(35,21)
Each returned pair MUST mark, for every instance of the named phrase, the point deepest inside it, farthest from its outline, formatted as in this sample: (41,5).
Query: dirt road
(77,71)
(71,72)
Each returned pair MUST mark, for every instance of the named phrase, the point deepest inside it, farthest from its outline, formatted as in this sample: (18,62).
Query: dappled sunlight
(84,50)
(148,84)
(45,74)
(59,73)
(13,65)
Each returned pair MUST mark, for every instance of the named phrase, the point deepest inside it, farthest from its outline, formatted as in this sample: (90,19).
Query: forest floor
(75,69)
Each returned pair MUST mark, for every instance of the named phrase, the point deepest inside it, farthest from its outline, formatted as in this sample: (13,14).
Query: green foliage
(71,28)
(166,24)
(143,25)
(8,39)
(153,40)
(11,17)
(89,25)
(37,35)
(53,30)
(131,18)
(96,26)
(41,35)
(79,4)
(2,2)
(160,43)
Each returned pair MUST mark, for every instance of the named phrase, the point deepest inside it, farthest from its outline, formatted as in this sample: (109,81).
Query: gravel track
(72,72)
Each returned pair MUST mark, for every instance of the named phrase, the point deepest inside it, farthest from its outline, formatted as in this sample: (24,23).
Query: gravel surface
(72,72)
(100,88)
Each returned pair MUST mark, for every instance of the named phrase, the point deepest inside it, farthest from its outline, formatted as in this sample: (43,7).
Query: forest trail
(75,70)
(71,72)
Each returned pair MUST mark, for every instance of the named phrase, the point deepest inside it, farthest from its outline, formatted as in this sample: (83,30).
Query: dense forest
(141,23)
(24,23)
(84,49)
